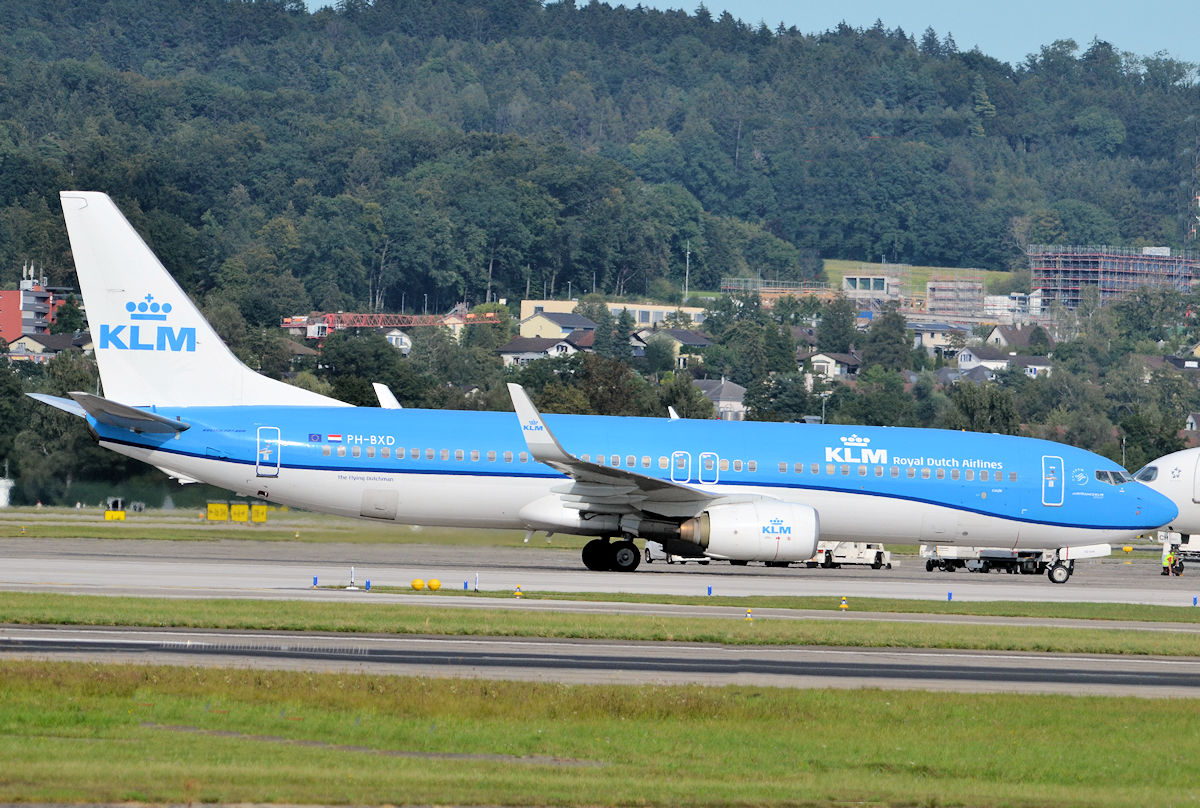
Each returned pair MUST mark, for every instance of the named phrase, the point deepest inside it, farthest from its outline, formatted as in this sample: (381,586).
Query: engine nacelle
(755,531)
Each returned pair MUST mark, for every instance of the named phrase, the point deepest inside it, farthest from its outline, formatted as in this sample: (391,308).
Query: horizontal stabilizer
(124,416)
(64,404)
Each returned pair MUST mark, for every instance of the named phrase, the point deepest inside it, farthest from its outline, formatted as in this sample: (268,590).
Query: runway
(613,662)
(275,571)
(272,570)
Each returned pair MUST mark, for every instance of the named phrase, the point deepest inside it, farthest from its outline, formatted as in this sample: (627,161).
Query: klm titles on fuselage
(142,335)
(857,450)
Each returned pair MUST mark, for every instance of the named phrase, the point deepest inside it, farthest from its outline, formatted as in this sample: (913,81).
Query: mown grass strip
(84,733)
(992,608)
(384,618)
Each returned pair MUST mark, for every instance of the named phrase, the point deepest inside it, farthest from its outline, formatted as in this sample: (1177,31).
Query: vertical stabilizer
(152,344)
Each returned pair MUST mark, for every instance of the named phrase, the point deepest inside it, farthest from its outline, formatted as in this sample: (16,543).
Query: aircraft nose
(1156,509)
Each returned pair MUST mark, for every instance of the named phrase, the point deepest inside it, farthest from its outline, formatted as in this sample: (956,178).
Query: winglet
(674,416)
(387,399)
(542,444)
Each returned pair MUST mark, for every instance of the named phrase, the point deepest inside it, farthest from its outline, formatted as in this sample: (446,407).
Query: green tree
(835,330)
(887,343)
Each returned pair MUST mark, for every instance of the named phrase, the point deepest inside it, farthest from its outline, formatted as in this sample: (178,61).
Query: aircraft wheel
(1059,573)
(929,565)
(597,555)
(625,556)
(737,562)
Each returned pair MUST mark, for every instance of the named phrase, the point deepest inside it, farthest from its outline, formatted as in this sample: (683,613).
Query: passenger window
(663,462)
(924,474)
(752,465)
(370,451)
(356,451)
(862,471)
(879,471)
(341,451)
(445,454)
(681,462)
(491,455)
(646,462)
(953,474)
(458,454)
(983,475)
(912,473)
(895,471)
(970,474)
(524,457)
(415,454)
(845,471)
(386,452)
(724,465)
(325,450)
(737,465)
(783,468)
(630,461)
(508,457)
(830,469)
(816,468)
(798,468)
(600,459)
(941,474)
(429,454)
(586,458)
(474,455)
(1012,476)
(615,460)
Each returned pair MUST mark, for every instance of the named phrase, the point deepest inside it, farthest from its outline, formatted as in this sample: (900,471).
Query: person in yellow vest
(1168,561)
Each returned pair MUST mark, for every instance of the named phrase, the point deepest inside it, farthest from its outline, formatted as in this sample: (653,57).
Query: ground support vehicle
(1057,564)
(654,552)
(1183,547)
(834,554)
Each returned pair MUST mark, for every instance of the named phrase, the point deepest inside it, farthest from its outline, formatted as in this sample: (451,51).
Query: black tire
(1059,573)
(737,562)
(625,556)
(704,561)
(877,564)
(597,555)
(827,562)
(929,565)
(649,560)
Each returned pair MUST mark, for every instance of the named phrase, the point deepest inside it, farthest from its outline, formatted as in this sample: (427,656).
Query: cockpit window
(1112,477)
(1147,475)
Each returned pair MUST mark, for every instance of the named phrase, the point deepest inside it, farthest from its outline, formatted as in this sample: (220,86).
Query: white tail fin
(152,344)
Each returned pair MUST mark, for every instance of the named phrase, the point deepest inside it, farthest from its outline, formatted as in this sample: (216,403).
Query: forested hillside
(369,155)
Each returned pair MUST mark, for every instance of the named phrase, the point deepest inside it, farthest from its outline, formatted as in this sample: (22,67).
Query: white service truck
(834,554)
(1057,564)
(655,552)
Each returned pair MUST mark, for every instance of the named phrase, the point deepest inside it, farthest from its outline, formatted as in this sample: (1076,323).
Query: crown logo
(855,440)
(777,521)
(148,309)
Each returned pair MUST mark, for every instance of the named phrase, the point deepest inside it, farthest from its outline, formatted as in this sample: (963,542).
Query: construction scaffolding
(955,297)
(1062,273)
(770,291)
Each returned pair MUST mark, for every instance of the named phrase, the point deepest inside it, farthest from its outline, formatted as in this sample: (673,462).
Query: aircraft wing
(604,489)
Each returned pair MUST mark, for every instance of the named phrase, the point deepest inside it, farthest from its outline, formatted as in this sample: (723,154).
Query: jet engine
(755,531)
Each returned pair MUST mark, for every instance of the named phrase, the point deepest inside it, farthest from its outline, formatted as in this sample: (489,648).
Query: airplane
(175,397)
(1177,477)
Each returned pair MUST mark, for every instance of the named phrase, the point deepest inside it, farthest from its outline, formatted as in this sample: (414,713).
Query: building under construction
(1062,273)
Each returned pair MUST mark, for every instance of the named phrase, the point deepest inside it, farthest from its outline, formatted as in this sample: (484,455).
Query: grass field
(839,630)
(102,733)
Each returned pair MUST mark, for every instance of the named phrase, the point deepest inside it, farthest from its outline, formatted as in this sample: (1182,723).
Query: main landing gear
(605,554)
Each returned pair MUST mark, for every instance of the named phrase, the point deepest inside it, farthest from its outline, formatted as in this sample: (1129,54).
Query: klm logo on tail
(142,334)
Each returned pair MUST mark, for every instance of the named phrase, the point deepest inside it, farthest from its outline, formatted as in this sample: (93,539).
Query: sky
(1008,30)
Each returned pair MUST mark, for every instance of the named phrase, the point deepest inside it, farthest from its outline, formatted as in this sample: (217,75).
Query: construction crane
(319,326)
